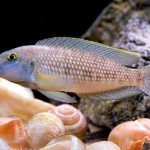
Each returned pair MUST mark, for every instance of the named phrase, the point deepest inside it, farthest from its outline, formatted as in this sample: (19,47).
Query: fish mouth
(1,72)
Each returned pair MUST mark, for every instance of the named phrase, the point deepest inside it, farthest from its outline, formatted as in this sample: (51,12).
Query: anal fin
(113,94)
(59,96)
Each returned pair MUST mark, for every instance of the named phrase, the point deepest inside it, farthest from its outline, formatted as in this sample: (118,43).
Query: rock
(114,17)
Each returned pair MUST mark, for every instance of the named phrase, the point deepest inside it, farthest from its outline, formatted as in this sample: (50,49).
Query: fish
(92,70)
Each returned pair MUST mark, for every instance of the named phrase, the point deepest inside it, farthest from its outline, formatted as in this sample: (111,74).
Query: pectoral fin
(59,96)
(114,94)
(48,82)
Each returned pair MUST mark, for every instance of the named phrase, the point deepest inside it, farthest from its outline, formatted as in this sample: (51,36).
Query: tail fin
(145,86)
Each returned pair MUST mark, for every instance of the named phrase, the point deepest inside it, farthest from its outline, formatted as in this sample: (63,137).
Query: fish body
(90,69)
(78,72)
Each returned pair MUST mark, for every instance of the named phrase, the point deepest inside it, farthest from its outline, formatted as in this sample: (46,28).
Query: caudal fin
(145,86)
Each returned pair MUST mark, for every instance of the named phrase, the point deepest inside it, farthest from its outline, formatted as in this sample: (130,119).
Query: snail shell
(143,144)
(4,145)
(74,121)
(65,142)
(129,132)
(12,132)
(42,128)
(103,145)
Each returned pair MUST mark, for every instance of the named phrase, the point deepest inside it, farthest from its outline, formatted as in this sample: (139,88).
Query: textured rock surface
(135,37)
(112,20)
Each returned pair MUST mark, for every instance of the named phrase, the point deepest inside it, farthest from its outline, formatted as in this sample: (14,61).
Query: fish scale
(91,70)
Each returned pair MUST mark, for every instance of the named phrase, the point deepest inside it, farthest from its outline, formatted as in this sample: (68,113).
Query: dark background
(24,23)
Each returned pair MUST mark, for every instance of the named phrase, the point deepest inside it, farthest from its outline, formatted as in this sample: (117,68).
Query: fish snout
(1,72)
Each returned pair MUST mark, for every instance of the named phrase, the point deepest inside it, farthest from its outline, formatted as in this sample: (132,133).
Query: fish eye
(12,57)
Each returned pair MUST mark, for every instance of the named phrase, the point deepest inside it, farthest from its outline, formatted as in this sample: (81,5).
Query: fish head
(16,65)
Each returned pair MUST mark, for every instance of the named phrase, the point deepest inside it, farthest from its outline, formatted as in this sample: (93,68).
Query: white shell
(103,145)
(4,145)
(16,100)
(66,142)
(42,128)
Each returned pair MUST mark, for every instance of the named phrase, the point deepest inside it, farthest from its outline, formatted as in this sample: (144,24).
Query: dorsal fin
(121,56)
